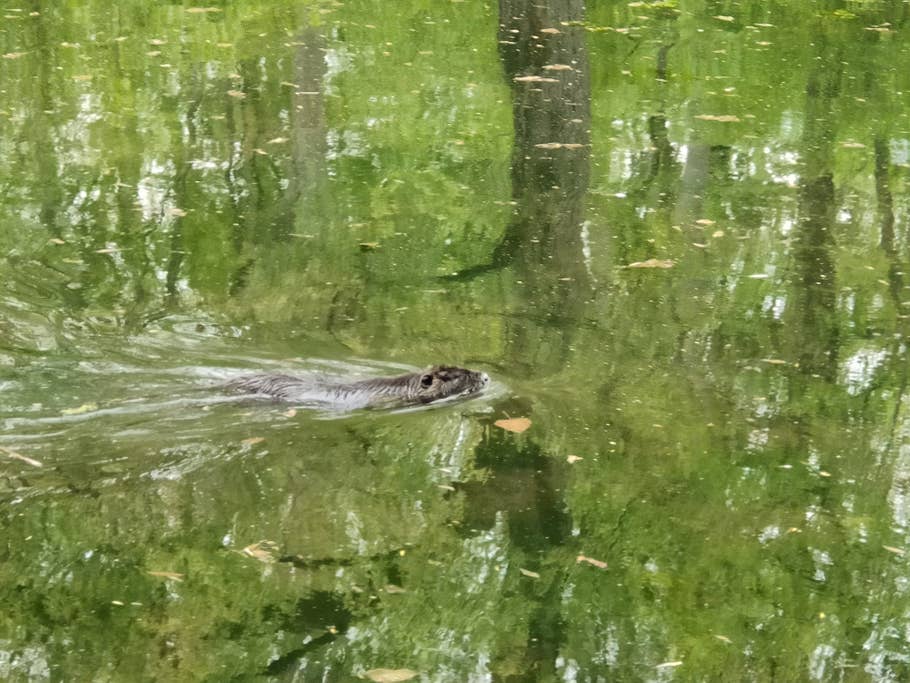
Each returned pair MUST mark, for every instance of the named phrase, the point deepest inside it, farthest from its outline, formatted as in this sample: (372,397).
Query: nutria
(433,384)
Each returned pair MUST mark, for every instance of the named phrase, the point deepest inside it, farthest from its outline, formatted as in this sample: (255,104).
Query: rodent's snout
(484,378)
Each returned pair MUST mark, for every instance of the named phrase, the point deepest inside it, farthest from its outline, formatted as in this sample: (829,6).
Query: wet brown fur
(434,384)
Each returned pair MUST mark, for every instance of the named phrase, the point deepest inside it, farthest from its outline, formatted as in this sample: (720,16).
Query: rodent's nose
(485,378)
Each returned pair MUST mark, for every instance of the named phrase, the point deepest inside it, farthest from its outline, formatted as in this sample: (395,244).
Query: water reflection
(190,191)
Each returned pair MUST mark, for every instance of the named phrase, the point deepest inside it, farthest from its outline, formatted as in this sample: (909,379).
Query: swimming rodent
(414,388)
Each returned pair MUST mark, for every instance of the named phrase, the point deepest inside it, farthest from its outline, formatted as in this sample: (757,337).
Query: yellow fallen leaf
(390,675)
(600,564)
(290,413)
(572,459)
(514,424)
(253,440)
(652,263)
(56,240)
(13,55)
(853,145)
(107,250)
(529,573)
(774,361)
(557,67)
(724,17)
(892,549)
(717,233)
(704,221)
(236,93)
(723,639)
(276,141)
(18,456)
(174,211)
(722,118)
(167,575)
(202,10)
(665,665)
(550,30)
(84,408)
(368,246)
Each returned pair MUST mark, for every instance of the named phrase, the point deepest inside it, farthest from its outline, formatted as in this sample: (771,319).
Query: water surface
(191,192)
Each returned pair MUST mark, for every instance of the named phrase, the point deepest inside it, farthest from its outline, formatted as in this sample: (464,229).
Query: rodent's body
(434,384)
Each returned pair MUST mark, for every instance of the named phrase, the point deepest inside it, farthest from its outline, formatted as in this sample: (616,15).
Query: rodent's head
(443,381)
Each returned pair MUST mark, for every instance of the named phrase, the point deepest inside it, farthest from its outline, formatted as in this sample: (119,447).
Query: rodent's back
(434,384)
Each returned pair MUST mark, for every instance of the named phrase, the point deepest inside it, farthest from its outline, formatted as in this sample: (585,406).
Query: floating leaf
(759,276)
(723,639)
(704,221)
(236,93)
(290,413)
(892,549)
(276,141)
(253,440)
(550,30)
(264,551)
(514,424)
(368,246)
(557,67)
(202,10)
(724,17)
(174,211)
(572,459)
(56,240)
(559,145)
(84,408)
(529,573)
(167,575)
(774,361)
(534,79)
(18,456)
(665,665)
(722,118)
(652,263)
(853,145)
(600,564)
(390,675)
(13,55)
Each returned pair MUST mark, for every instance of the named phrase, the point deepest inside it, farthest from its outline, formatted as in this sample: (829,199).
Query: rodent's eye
(426,380)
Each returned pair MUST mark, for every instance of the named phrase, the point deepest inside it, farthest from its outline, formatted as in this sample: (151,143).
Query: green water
(187,194)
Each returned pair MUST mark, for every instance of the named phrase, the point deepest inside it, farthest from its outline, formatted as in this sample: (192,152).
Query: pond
(674,233)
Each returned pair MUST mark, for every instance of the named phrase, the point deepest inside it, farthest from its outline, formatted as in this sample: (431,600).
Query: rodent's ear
(426,380)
